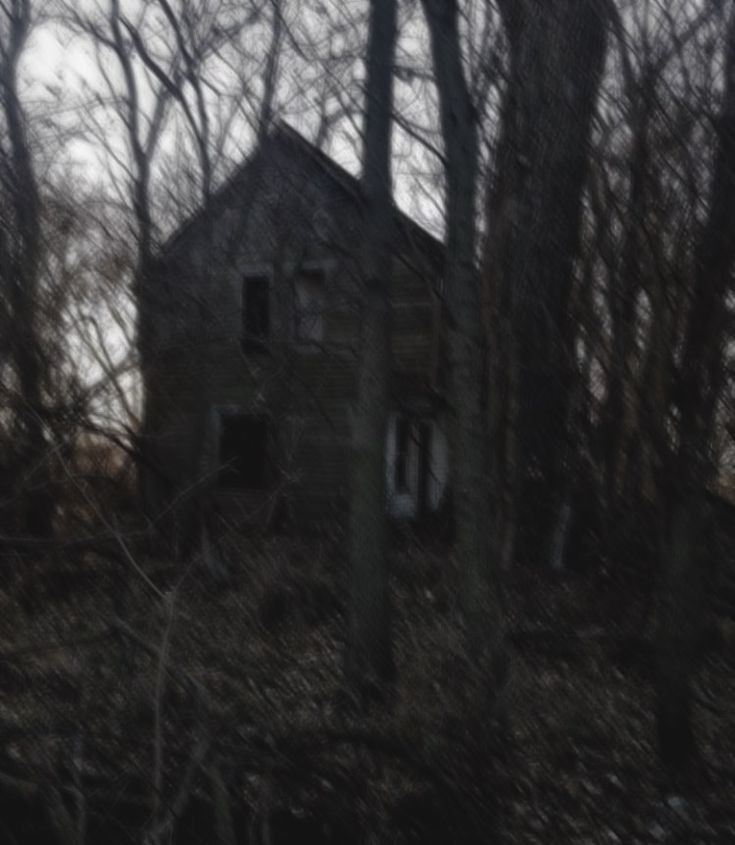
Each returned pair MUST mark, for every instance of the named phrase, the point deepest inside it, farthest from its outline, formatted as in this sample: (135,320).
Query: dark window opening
(256,312)
(243,452)
(403,448)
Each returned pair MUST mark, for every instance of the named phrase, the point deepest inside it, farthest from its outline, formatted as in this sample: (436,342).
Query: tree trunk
(369,659)
(32,467)
(701,376)
(680,614)
(534,211)
(470,452)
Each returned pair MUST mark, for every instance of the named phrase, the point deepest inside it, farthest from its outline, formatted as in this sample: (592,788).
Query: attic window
(309,306)
(243,451)
(255,312)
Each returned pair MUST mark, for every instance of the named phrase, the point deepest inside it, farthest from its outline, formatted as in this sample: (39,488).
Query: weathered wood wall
(288,208)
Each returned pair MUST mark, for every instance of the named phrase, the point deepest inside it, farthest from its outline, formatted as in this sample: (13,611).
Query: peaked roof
(283,133)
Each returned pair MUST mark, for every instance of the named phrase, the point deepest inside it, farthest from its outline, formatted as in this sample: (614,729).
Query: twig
(179,675)
(164,826)
(100,543)
(78,762)
(222,807)
(59,817)
(31,650)
(160,690)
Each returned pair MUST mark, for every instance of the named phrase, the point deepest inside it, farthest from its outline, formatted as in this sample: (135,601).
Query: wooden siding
(288,213)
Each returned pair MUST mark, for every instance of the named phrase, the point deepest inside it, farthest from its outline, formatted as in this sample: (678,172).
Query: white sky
(62,76)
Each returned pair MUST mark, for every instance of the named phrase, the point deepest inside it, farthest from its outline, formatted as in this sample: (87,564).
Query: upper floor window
(255,312)
(309,306)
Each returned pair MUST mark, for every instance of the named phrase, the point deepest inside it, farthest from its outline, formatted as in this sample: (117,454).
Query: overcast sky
(62,75)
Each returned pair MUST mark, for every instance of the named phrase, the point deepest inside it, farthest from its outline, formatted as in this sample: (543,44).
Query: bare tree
(651,313)
(557,52)
(21,259)
(113,34)
(20,268)
(693,465)
(369,658)
(180,70)
(470,455)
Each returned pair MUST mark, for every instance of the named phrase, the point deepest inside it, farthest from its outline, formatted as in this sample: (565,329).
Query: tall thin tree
(693,465)
(369,659)
(557,51)
(20,269)
(462,285)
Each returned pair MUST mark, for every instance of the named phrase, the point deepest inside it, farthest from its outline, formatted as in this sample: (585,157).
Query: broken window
(309,306)
(243,451)
(255,312)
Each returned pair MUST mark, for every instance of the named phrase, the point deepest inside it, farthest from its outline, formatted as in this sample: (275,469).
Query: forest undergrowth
(147,703)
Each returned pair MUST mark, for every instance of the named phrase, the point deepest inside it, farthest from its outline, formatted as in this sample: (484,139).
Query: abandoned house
(253,326)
